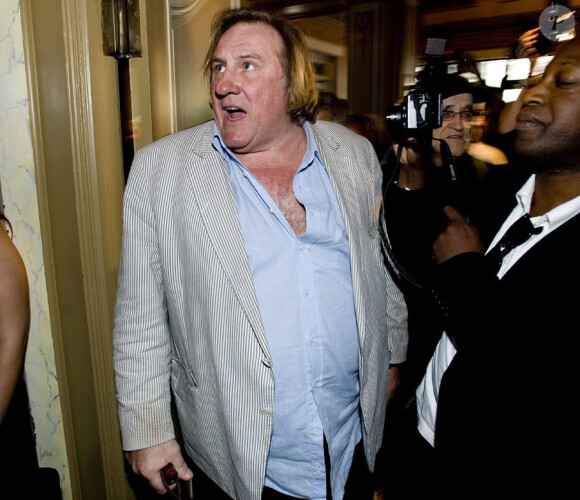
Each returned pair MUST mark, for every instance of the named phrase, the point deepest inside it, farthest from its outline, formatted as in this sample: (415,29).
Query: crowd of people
(305,313)
(470,416)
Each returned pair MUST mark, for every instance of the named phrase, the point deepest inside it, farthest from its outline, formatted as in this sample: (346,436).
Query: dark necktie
(518,233)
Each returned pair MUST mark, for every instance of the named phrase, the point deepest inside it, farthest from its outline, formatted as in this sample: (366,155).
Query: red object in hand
(169,474)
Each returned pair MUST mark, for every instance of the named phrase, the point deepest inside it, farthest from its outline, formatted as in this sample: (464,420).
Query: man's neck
(553,189)
(288,151)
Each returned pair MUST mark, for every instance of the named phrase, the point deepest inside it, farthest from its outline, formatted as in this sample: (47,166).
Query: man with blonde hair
(252,282)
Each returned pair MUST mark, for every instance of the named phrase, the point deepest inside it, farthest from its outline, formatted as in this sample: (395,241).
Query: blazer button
(267,413)
(267,363)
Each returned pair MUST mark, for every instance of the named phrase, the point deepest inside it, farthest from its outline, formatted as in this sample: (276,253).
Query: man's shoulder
(195,138)
(337,135)
(163,159)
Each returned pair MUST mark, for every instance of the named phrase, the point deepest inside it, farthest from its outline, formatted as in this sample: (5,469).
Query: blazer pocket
(181,376)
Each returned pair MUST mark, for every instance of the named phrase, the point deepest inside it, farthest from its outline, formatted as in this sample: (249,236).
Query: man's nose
(226,83)
(534,94)
(458,123)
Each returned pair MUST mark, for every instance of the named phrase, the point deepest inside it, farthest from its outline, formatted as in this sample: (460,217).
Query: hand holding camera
(412,172)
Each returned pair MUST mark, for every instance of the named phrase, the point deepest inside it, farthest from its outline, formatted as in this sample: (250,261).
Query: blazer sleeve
(397,328)
(141,337)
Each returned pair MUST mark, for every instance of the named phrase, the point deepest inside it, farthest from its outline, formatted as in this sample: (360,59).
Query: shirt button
(306,292)
(271,210)
(301,247)
(312,340)
(317,465)
(318,473)
(315,433)
(267,363)
(267,413)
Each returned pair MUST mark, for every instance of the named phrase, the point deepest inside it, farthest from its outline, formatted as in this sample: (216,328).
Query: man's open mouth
(233,113)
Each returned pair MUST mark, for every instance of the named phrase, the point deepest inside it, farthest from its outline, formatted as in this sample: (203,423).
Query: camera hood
(451,84)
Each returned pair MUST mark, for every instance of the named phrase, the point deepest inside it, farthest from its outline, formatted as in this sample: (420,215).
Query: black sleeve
(477,314)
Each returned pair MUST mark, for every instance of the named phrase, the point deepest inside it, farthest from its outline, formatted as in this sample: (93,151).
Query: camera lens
(395,122)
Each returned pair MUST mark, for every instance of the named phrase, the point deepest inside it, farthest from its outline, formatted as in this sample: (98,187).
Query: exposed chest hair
(277,180)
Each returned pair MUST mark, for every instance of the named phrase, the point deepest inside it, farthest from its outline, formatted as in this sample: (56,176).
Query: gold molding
(96,165)
(89,210)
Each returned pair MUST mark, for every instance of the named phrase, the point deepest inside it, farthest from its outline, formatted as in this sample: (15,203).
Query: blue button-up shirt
(304,291)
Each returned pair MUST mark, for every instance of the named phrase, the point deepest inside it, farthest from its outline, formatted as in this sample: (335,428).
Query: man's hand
(148,463)
(527,44)
(412,172)
(457,237)
(394,381)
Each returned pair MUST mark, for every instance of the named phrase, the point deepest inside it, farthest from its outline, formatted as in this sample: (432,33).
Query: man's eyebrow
(450,106)
(242,57)
(250,55)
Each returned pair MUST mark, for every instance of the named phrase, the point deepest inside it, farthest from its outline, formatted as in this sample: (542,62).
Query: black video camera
(421,110)
(415,117)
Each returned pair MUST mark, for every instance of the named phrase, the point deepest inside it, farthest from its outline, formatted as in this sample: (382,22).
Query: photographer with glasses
(431,170)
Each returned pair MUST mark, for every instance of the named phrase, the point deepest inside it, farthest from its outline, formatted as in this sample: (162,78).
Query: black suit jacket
(414,218)
(506,418)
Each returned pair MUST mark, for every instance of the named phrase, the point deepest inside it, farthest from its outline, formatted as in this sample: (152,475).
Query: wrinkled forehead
(251,34)
(458,100)
(569,53)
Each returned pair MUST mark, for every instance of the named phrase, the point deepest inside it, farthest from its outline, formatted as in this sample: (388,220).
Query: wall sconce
(121,24)
(121,28)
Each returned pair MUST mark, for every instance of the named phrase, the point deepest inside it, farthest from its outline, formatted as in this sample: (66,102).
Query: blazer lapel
(350,187)
(213,194)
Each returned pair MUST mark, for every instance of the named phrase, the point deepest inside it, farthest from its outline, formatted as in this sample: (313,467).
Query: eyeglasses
(447,115)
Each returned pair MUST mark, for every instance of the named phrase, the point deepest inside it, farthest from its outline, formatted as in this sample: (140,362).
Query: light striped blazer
(187,321)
